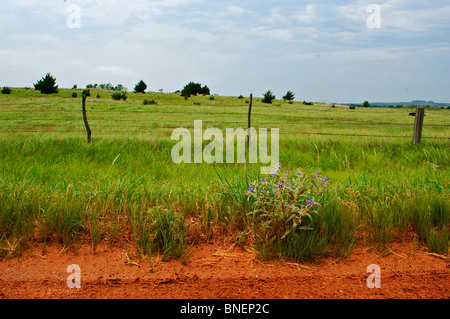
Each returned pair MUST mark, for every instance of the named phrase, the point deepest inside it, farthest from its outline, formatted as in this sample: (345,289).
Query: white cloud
(105,12)
(235,10)
(273,33)
(113,70)
(307,15)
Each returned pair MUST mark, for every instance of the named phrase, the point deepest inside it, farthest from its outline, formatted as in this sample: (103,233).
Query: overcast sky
(321,50)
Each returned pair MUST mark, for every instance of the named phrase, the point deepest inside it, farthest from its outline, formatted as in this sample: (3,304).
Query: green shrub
(268,97)
(289,96)
(140,87)
(74,94)
(283,208)
(6,90)
(47,85)
(308,103)
(240,97)
(352,107)
(211,98)
(149,102)
(119,95)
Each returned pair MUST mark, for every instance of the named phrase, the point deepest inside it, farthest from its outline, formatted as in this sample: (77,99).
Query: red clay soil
(224,272)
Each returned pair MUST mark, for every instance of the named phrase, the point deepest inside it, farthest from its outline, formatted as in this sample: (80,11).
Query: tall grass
(55,187)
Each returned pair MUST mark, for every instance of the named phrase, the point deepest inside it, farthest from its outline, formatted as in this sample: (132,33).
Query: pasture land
(123,188)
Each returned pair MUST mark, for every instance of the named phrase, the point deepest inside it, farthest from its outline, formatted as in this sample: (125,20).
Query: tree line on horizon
(47,85)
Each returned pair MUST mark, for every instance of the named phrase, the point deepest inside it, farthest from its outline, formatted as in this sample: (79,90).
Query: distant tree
(289,96)
(205,90)
(268,97)
(119,87)
(75,87)
(89,86)
(195,88)
(47,85)
(366,104)
(6,90)
(140,87)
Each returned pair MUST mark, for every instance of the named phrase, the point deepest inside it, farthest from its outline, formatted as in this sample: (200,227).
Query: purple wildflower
(310,202)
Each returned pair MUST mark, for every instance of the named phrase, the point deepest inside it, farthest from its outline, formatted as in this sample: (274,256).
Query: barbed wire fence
(13,120)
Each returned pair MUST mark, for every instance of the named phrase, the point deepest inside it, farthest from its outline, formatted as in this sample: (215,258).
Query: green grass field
(124,188)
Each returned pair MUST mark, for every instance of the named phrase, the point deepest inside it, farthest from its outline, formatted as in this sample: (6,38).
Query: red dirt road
(224,272)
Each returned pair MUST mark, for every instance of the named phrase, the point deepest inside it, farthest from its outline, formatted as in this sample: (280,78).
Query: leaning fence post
(88,129)
(418,125)
(249,119)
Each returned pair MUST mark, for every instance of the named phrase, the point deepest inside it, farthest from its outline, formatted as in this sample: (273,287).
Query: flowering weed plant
(283,203)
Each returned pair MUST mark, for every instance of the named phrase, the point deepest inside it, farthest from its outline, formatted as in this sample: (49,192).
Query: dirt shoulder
(224,272)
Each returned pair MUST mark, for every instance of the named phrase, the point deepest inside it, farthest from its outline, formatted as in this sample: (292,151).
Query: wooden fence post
(88,129)
(249,119)
(418,125)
